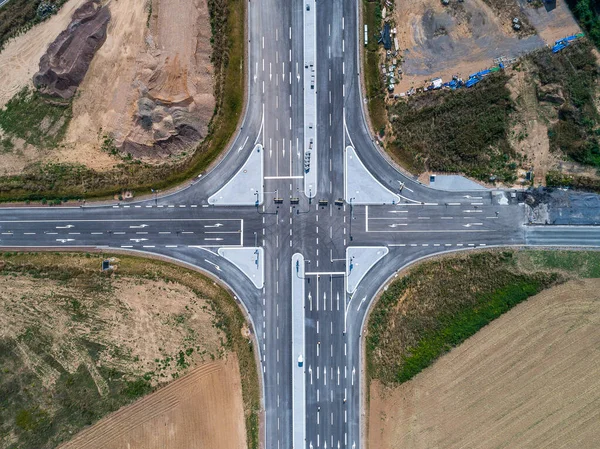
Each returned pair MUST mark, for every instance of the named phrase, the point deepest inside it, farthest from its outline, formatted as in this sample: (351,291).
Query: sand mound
(66,62)
(20,59)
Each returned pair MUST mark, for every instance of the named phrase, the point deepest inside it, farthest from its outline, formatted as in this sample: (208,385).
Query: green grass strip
(457,328)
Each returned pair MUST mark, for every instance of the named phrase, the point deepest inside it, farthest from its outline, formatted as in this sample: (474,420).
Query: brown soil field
(529,379)
(200,410)
(437,41)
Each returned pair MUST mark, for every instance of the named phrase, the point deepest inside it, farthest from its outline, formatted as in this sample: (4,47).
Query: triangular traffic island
(360,186)
(246,186)
(359,260)
(250,261)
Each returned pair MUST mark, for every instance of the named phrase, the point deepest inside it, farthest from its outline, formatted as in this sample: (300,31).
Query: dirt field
(200,410)
(147,320)
(169,62)
(528,379)
(437,41)
(162,60)
(530,131)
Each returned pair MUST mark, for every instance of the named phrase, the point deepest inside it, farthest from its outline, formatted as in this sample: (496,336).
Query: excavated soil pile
(65,63)
(150,87)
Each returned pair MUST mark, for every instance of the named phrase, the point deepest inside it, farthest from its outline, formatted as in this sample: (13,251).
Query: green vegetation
(580,182)
(36,119)
(18,16)
(373,80)
(440,303)
(70,181)
(457,131)
(41,403)
(587,12)
(574,74)
(584,264)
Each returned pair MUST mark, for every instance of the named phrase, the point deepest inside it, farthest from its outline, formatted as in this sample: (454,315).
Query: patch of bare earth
(464,38)
(533,117)
(164,67)
(530,131)
(149,87)
(200,410)
(528,379)
(20,59)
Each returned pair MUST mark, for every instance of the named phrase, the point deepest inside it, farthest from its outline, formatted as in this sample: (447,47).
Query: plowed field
(200,410)
(530,379)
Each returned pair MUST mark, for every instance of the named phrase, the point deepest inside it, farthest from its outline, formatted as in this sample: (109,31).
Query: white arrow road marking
(65,240)
(473,197)
(214,264)
(138,240)
(65,227)
(216,240)
(310,372)
(468,225)
(353,370)
(338,375)
(310,300)
(138,226)
(244,144)
(216,225)
(361,302)
(397,224)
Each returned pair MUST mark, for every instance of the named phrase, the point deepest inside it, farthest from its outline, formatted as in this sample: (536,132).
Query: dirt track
(529,379)
(201,410)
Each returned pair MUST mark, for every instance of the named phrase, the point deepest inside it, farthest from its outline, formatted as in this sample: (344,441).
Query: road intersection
(268,221)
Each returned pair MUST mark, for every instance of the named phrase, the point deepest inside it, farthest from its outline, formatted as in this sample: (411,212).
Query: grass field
(456,131)
(38,120)
(440,303)
(76,342)
(373,81)
(587,13)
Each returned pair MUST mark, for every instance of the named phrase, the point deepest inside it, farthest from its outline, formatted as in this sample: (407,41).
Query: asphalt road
(328,320)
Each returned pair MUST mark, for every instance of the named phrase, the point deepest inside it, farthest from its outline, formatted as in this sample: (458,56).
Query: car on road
(300,361)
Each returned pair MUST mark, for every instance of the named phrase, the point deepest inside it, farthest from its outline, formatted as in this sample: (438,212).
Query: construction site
(435,44)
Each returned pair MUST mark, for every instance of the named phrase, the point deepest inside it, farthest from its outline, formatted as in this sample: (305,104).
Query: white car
(300,361)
